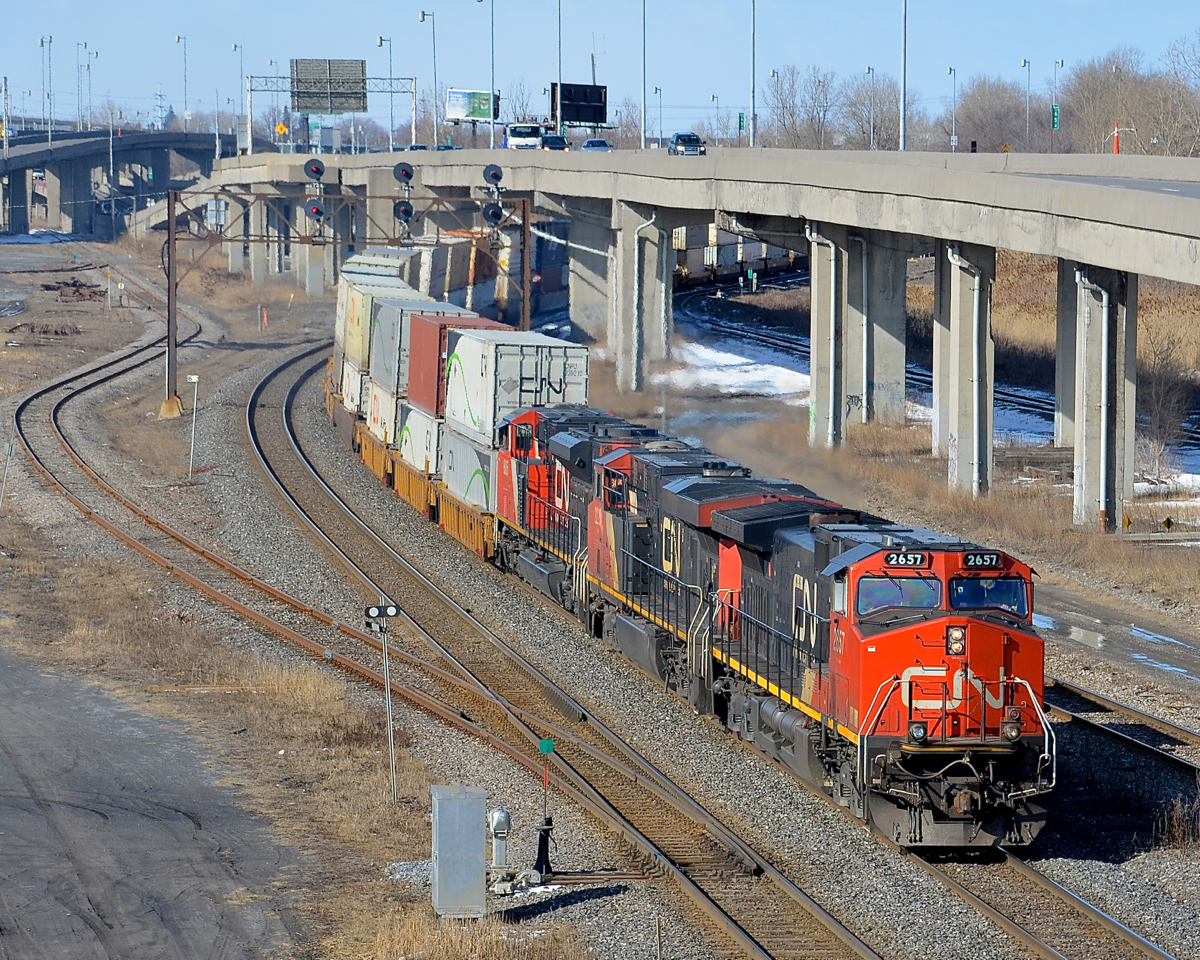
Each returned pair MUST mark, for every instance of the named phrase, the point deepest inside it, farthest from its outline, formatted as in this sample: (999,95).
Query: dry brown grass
(1178,826)
(417,933)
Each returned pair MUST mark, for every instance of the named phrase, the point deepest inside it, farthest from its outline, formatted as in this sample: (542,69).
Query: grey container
(468,470)
(459,850)
(389,338)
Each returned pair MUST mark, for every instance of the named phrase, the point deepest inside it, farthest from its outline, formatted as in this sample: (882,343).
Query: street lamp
(379,42)
(953,72)
(24,94)
(91,56)
(47,45)
(904,78)
(713,98)
(241,52)
(492,101)
(79,45)
(658,90)
(558,117)
(179,38)
(1054,103)
(753,58)
(643,74)
(870,73)
(1028,78)
(433,26)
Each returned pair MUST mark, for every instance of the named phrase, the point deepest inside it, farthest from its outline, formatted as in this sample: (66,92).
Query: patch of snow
(746,372)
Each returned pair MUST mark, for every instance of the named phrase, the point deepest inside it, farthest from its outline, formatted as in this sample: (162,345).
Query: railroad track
(1042,915)
(738,891)
(1176,745)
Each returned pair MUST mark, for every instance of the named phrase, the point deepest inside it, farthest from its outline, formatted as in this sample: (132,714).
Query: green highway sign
(546,746)
(1054,116)
(741,122)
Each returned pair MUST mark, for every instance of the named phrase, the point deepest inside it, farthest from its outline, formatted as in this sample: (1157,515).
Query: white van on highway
(523,136)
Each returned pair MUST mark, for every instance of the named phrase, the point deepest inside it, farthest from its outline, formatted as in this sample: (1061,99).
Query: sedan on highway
(597,145)
(686,144)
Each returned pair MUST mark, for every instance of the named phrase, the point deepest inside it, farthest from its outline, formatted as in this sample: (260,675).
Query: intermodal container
(355,392)
(390,341)
(427,357)
(381,414)
(469,471)
(492,372)
(419,438)
(357,303)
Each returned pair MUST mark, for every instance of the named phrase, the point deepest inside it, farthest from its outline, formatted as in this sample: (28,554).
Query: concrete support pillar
(160,173)
(642,315)
(874,329)
(258,230)
(19,197)
(972,271)
(1064,355)
(1105,394)
(378,224)
(337,233)
(235,218)
(941,348)
(56,193)
(590,259)
(309,268)
(827,361)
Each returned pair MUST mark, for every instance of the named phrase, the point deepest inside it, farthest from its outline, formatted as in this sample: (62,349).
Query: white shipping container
(492,372)
(381,413)
(389,337)
(355,392)
(356,306)
(727,255)
(469,470)
(419,439)
(679,238)
(695,261)
(392,262)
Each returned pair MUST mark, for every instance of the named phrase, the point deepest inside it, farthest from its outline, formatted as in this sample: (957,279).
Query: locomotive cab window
(839,594)
(523,438)
(1007,594)
(884,593)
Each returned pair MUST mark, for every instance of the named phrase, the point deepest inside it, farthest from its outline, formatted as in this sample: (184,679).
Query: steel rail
(1061,713)
(651,777)
(1162,725)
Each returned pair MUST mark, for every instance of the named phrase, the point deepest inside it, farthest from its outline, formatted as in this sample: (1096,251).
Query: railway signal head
(380,611)
(315,209)
(402,210)
(492,174)
(403,172)
(493,213)
(314,169)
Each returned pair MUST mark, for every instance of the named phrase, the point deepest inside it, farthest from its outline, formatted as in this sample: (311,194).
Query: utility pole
(172,406)
(1054,117)
(47,45)
(79,86)
(1028,79)
(433,26)
(379,42)
(6,120)
(953,71)
(643,74)
(871,74)
(179,38)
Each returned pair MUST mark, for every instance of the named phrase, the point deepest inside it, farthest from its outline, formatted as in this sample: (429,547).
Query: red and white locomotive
(893,667)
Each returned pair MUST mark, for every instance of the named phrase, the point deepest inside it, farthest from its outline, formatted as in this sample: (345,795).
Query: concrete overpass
(76,169)
(1108,219)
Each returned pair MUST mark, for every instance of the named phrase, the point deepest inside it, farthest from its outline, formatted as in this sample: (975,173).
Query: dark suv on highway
(686,144)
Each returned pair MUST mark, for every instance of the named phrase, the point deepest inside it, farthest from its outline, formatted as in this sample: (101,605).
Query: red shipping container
(427,358)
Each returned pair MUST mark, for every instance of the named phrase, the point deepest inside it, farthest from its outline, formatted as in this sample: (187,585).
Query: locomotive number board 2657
(899,558)
(981,561)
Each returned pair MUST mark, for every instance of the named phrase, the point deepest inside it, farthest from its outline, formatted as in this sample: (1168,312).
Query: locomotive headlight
(917,732)
(956,640)
(1010,732)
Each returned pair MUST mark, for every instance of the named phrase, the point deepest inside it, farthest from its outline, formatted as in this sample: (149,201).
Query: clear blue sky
(696,48)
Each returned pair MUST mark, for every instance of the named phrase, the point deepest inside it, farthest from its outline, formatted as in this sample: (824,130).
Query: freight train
(895,668)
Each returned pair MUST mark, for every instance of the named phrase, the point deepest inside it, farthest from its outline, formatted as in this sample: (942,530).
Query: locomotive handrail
(869,724)
(1049,745)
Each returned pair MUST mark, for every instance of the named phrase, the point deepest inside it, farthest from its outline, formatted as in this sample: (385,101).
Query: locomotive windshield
(990,593)
(884,593)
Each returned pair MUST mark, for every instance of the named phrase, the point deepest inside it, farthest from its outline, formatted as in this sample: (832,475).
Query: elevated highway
(1107,219)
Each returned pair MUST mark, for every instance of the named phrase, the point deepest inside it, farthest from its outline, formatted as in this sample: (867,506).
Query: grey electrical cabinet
(459,850)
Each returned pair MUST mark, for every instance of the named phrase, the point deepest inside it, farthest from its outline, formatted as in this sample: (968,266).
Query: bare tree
(818,100)
(628,130)
(872,100)
(783,104)
(516,105)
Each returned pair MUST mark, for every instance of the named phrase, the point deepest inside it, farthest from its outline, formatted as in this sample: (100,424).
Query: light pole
(91,56)
(379,42)
(492,101)
(241,52)
(753,65)
(713,98)
(643,74)
(658,90)
(871,73)
(179,38)
(433,27)
(24,94)
(904,78)
(47,45)
(79,45)
(953,72)
(1054,103)
(1028,78)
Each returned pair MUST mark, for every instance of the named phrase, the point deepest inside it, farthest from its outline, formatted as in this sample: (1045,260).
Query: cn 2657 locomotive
(893,667)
